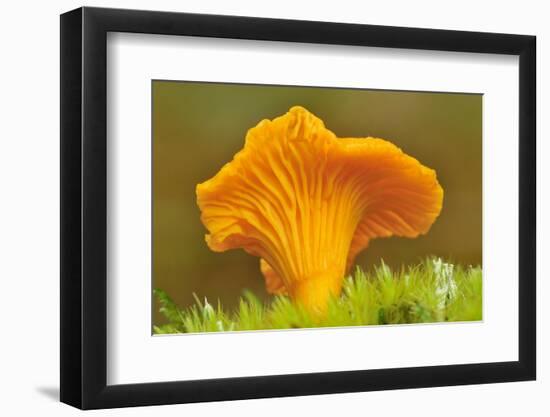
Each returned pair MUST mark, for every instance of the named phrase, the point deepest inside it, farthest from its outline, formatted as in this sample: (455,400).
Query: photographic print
(292,207)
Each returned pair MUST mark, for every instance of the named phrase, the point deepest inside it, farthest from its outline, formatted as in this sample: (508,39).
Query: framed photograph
(257,208)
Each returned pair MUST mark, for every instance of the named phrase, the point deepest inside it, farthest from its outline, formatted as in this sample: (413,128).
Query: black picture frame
(84,207)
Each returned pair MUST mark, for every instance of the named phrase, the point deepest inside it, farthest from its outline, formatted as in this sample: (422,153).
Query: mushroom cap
(273,282)
(307,202)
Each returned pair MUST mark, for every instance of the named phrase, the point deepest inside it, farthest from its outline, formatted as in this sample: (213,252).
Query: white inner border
(134,356)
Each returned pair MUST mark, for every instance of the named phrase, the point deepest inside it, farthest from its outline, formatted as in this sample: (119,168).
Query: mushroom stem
(314,292)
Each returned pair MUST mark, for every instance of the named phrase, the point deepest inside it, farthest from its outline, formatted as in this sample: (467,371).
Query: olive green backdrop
(198,127)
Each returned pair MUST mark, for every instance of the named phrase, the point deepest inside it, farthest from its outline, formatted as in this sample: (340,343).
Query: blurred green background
(198,127)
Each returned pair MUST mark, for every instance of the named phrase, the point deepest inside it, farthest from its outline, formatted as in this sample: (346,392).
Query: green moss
(433,291)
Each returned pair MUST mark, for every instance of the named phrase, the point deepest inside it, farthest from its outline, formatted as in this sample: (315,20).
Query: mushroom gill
(307,202)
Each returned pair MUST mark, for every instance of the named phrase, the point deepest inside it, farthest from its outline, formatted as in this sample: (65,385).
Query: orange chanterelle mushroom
(307,202)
